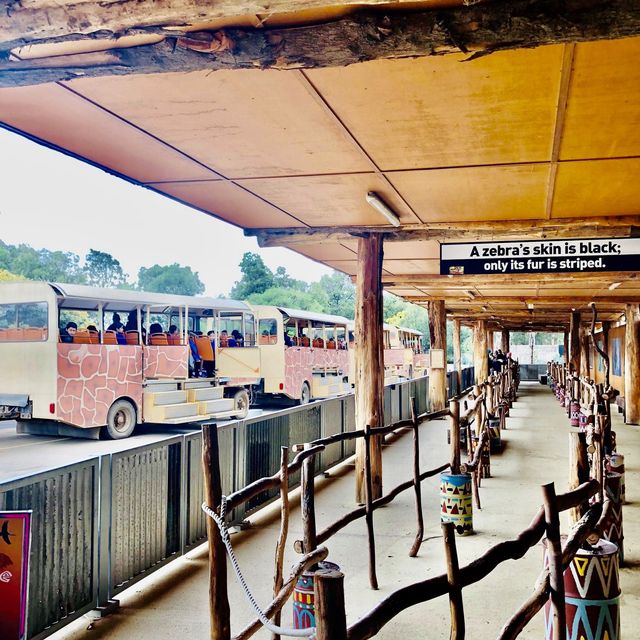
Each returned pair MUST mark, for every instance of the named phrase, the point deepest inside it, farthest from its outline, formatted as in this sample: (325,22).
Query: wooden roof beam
(603,226)
(426,281)
(565,301)
(366,35)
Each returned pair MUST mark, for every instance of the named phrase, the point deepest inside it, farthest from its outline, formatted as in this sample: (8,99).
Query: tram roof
(314,316)
(81,296)
(507,119)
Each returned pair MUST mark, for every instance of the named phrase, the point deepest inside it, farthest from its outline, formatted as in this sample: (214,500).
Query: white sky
(51,201)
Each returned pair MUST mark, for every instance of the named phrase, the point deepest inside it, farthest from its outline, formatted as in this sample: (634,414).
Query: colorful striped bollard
(612,526)
(574,419)
(615,464)
(592,595)
(455,501)
(304,611)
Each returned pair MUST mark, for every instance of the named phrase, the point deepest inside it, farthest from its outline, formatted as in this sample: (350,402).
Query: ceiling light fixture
(614,285)
(381,207)
(530,305)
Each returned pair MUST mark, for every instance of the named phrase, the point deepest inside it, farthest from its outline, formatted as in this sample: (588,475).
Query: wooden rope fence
(330,614)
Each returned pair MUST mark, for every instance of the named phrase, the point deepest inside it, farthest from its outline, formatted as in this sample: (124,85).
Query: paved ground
(173,602)
(24,454)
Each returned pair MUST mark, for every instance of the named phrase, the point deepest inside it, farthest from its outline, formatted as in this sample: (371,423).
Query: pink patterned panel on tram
(393,357)
(300,363)
(161,361)
(421,360)
(92,376)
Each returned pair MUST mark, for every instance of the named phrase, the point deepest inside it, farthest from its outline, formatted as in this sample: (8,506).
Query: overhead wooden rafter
(365,35)
(604,226)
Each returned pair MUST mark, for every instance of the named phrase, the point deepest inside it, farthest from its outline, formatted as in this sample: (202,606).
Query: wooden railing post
(307,503)
(331,619)
(219,613)
(284,530)
(454,422)
(453,581)
(554,551)
(416,481)
(373,580)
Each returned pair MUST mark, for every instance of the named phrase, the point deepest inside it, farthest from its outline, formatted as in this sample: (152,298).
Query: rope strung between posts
(224,534)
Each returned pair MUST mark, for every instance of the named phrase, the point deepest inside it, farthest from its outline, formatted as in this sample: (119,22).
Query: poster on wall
(15,541)
(540,256)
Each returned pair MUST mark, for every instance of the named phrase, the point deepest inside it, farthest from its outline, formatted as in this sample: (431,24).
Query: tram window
(268,330)
(24,322)
(249,330)
(341,334)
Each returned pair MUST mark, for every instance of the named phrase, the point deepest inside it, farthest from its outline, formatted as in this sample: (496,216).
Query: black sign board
(541,256)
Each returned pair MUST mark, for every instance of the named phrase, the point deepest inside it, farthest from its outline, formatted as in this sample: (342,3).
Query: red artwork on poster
(15,538)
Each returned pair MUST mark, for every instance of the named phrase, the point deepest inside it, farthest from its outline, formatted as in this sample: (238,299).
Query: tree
(256,277)
(7,276)
(103,270)
(339,292)
(33,264)
(292,298)
(172,278)
(283,280)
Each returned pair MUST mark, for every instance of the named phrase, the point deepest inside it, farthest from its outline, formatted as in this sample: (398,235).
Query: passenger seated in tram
(115,323)
(195,361)
(288,342)
(66,334)
(157,336)
(237,336)
(173,337)
(224,338)
(94,334)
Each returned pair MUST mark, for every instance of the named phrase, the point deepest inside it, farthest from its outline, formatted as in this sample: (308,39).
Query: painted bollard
(567,404)
(455,501)
(592,595)
(304,612)
(574,418)
(612,529)
(494,430)
(615,464)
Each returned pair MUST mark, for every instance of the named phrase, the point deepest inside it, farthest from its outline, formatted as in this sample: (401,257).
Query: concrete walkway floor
(172,603)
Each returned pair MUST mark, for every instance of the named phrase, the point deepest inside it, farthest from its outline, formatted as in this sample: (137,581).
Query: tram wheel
(121,420)
(241,404)
(305,393)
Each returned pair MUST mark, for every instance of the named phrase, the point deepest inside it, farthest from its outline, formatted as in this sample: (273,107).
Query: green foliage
(7,276)
(103,270)
(337,294)
(42,264)
(172,278)
(405,314)
(292,298)
(256,277)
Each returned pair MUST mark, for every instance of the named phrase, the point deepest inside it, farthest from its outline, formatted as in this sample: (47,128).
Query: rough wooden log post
(574,342)
(437,340)
(454,422)
(369,360)
(457,353)
(479,418)
(585,368)
(480,355)
(578,470)
(554,551)
(505,344)
(566,347)
(416,480)
(219,613)
(331,618)
(307,503)
(284,530)
(453,579)
(632,365)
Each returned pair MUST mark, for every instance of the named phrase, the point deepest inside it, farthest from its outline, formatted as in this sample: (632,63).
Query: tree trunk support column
(437,340)
(457,353)
(632,365)
(574,343)
(585,343)
(369,361)
(505,344)
(480,355)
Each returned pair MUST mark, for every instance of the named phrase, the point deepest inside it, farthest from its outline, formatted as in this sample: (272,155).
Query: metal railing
(102,524)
